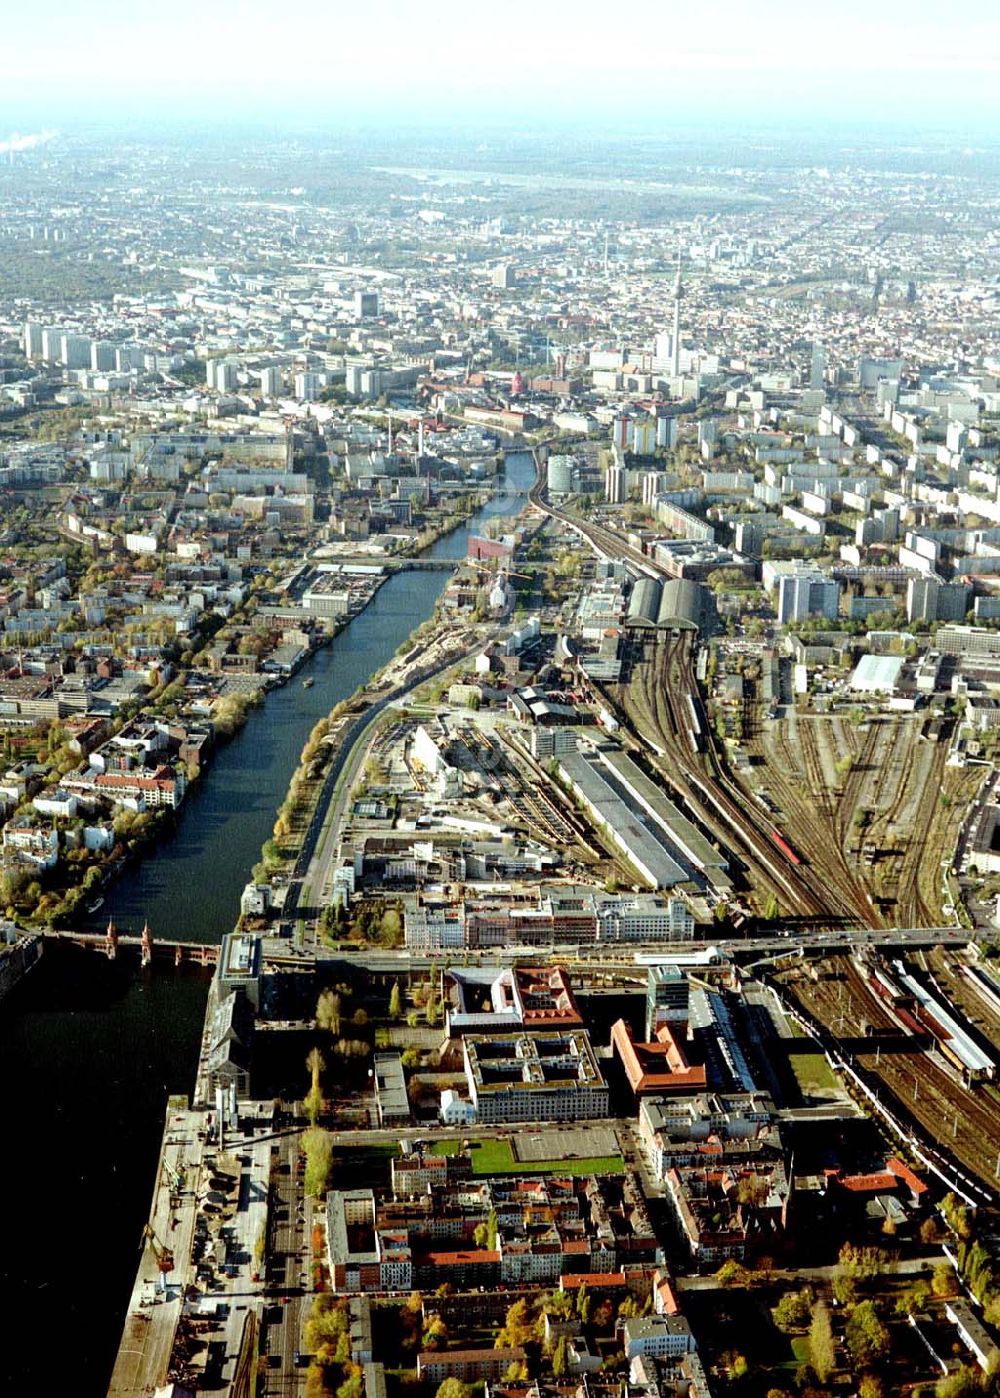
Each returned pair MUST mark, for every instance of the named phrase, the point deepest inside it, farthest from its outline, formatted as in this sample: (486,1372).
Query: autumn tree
(313,1101)
(822,1353)
(328,1011)
(559,1358)
(793,1310)
(867,1338)
(453,1388)
(318,1146)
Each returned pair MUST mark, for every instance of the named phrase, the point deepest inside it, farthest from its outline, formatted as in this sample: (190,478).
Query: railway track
(964,1121)
(829,845)
(672,700)
(673,676)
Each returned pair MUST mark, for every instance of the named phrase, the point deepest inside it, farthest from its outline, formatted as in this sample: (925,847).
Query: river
(90,1050)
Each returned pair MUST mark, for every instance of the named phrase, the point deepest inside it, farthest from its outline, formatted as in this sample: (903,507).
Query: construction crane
(164,1256)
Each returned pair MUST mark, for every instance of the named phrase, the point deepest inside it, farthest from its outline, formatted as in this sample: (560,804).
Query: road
(314,864)
(287,1273)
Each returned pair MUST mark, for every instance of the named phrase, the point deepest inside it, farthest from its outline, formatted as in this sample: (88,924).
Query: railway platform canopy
(682,605)
(677,604)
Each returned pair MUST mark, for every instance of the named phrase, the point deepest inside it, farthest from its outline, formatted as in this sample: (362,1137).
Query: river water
(90,1050)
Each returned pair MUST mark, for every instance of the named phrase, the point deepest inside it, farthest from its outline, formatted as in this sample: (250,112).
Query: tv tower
(675,345)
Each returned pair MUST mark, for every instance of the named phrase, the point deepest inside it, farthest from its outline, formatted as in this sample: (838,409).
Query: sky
(897,61)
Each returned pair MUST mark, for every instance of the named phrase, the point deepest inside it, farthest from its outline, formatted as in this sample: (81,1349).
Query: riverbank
(94,1048)
(17,959)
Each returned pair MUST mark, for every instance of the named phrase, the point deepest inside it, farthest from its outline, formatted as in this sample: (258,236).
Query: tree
(559,1360)
(318,1147)
(328,1011)
(822,1353)
(964,1383)
(485,1233)
(435,1334)
(313,1101)
(395,1001)
(913,1299)
(867,1338)
(793,1310)
(943,1280)
(453,1388)
(518,1326)
(870,1387)
(353,1387)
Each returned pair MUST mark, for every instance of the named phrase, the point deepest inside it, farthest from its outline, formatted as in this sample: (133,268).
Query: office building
(667,996)
(367,305)
(534,1077)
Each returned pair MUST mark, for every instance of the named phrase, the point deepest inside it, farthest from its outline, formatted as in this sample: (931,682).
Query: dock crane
(178,1178)
(164,1256)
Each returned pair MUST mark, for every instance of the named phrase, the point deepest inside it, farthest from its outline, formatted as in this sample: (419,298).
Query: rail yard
(927,1063)
(866,808)
(877,827)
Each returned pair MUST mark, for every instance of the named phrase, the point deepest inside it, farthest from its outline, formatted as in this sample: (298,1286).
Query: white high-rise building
(615,485)
(74,351)
(367,304)
(804,595)
(102,356)
(32,340)
(270,382)
(653,484)
(817,367)
(307,386)
(666,432)
(222,375)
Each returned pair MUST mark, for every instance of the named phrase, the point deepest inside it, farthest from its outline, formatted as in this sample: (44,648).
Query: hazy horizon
(555,66)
